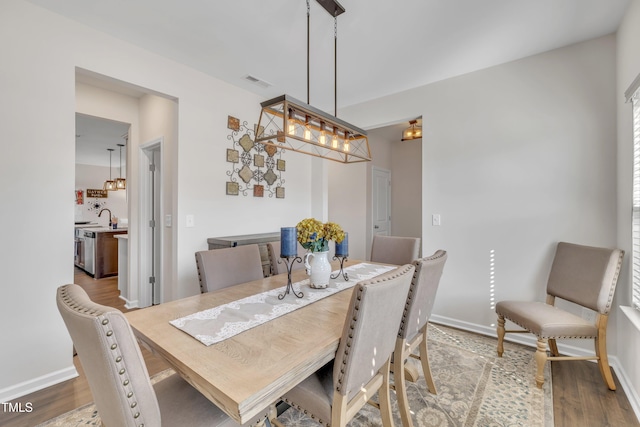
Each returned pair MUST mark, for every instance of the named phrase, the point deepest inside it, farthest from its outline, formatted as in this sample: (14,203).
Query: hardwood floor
(580,397)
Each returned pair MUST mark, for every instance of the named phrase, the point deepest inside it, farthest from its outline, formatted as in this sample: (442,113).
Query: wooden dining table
(245,374)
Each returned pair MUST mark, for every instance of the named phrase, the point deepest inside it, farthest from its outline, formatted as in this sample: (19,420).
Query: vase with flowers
(315,236)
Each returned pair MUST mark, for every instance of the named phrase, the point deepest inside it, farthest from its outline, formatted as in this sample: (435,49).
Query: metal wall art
(255,168)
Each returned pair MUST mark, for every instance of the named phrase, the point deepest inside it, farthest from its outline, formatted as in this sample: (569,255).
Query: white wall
(37,111)
(515,158)
(628,67)
(406,188)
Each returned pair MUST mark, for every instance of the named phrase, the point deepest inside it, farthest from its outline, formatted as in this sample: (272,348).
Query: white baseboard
(36,384)
(129,304)
(530,341)
(632,395)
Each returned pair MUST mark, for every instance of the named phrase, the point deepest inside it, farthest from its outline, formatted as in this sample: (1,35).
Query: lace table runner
(219,323)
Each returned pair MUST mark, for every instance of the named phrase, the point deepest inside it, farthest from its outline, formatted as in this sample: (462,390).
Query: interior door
(381,187)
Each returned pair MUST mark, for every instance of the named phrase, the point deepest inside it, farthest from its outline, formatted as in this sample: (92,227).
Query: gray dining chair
(220,268)
(278,266)
(583,275)
(395,250)
(413,329)
(118,377)
(334,394)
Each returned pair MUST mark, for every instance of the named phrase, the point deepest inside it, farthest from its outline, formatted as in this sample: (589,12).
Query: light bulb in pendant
(334,141)
(322,139)
(292,127)
(346,145)
(307,133)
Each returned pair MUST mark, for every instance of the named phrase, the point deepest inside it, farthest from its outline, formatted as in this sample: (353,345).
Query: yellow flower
(315,236)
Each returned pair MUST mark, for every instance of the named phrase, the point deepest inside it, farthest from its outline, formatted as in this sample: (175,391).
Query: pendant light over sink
(110,184)
(121,183)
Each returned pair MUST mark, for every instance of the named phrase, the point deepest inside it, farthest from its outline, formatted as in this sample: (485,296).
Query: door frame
(150,255)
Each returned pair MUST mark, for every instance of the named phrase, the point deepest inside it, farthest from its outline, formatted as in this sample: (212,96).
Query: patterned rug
(475,389)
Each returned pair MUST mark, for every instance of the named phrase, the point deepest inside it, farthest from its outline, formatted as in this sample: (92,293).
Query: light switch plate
(167,220)
(191,221)
(435,220)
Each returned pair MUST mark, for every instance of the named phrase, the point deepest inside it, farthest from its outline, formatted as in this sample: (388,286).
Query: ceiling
(94,135)
(384,47)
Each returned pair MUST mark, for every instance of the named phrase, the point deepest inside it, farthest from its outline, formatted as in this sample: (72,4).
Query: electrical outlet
(589,315)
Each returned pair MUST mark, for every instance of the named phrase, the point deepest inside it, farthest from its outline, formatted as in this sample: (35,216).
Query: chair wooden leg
(339,410)
(500,332)
(424,359)
(601,352)
(399,357)
(553,347)
(541,359)
(384,395)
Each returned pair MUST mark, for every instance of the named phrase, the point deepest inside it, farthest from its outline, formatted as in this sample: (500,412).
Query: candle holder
(289,263)
(342,259)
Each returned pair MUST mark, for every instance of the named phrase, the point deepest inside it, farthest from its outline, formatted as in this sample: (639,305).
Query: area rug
(475,389)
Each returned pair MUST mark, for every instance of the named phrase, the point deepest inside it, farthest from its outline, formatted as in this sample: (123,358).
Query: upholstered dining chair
(395,250)
(334,394)
(220,268)
(273,249)
(583,275)
(413,329)
(118,377)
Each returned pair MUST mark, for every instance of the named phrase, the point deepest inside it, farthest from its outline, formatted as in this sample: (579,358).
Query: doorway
(100,157)
(150,291)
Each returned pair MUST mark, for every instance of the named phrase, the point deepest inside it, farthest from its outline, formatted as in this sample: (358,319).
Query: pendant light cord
(308,50)
(335,65)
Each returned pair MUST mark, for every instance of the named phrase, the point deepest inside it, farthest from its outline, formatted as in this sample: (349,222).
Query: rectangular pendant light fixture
(290,124)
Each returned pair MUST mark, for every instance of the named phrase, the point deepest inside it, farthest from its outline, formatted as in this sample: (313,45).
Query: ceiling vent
(257,81)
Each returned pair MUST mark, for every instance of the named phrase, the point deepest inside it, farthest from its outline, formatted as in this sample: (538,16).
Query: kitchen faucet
(110,215)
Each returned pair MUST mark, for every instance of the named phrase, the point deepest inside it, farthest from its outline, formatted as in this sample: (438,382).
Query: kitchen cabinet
(106,253)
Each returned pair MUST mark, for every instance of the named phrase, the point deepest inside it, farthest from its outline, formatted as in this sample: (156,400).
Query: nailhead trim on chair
(359,289)
(307,413)
(202,290)
(99,313)
(119,361)
(615,280)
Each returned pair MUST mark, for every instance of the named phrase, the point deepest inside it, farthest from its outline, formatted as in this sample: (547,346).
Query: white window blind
(635,99)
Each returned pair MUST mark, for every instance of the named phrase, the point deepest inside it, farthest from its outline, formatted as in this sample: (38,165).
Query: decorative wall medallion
(232,188)
(270,149)
(255,167)
(96,205)
(233,156)
(233,123)
(246,174)
(246,142)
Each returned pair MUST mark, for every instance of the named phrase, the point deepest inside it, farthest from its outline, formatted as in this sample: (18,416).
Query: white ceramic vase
(318,268)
